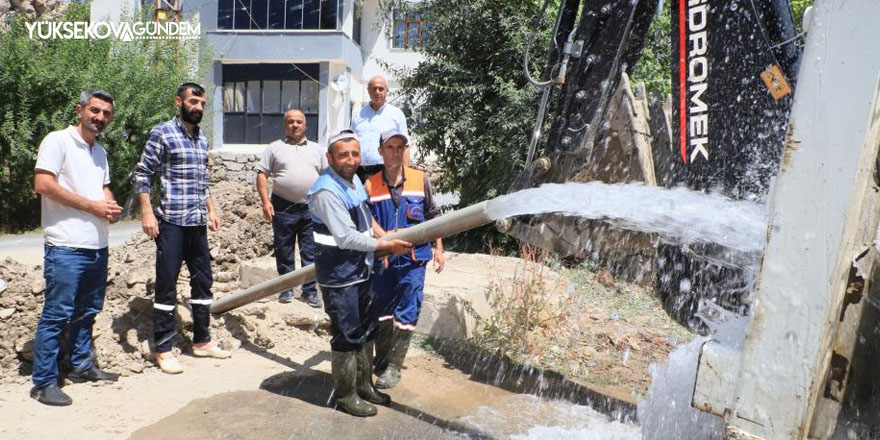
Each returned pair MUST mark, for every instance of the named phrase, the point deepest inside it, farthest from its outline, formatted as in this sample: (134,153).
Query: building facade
(268,56)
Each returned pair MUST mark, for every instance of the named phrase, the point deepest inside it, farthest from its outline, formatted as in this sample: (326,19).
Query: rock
(44,6)
(224,277)
(38,286)
(26,7)
(259,311)
(5,313)
(218,174)
(235,166)
(25,349)
(145,350)
(256,271)
(136,367)
(183,315)
(136,277)
(3,284)
(605,278)
(128,258)
(312,323)
(226,156)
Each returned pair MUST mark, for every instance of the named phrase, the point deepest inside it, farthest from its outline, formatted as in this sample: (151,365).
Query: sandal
(169,365)
(212,352)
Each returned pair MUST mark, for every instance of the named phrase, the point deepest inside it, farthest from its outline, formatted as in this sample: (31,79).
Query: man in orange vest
(400,197)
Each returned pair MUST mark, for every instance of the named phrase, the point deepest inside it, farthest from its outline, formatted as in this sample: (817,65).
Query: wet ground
(433,401)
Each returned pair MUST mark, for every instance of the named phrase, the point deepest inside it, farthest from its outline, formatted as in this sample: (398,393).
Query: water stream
(680,215)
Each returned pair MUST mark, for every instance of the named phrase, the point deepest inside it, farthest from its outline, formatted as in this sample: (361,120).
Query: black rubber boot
(384,342)
(365,388)
(51,395)
(391,376)
(345,397)
(93,374)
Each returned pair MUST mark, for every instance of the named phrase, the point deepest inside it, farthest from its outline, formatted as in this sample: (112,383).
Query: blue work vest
(336,267)
(409,211)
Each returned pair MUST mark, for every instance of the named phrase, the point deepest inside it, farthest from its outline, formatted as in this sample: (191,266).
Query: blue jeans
(293,222)
(76,279)
(398,294)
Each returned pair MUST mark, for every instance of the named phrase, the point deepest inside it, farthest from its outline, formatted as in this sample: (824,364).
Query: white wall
(376,44)
(111,10)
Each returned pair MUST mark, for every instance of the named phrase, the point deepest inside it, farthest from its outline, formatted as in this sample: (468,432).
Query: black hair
(88,94)
(196,89)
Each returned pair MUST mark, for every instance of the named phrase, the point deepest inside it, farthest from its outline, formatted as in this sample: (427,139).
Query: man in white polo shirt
(72,175)
(371,121)
(294,164)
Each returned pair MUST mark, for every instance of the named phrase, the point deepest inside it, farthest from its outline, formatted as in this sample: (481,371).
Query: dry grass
(580,322)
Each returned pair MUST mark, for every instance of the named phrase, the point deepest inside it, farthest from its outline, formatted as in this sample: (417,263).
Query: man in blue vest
(400,197)
(343,264)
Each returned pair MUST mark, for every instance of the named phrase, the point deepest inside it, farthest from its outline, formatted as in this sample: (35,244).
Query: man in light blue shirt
(372,120)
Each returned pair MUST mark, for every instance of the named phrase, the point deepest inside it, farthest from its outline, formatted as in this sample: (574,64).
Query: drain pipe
(451,223)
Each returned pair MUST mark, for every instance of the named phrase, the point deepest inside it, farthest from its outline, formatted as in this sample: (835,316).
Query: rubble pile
(123,330)
(42,9)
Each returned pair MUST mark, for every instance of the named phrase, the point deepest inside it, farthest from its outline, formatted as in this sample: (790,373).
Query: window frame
(327,13)
(407,21)
(262,115)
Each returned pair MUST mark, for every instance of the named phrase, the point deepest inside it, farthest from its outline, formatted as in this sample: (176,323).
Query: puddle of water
(529,417)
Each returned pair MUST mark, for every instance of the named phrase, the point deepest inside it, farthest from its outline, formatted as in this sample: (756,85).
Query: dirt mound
(123,329)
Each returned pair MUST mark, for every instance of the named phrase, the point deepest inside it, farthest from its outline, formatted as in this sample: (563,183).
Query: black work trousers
(292,223)
(175,245)
(353,320)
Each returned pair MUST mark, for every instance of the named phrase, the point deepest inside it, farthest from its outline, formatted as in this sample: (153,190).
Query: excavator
(758,112)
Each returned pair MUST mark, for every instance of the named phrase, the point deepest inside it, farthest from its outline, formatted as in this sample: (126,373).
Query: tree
(471,105)
(654,67)
(40,81)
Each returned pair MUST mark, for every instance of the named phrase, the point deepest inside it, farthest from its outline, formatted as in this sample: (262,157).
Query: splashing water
(667,412)
(680,215)
(528,417)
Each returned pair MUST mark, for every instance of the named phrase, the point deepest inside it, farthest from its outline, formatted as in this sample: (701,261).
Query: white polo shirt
(82,170)
(369,124)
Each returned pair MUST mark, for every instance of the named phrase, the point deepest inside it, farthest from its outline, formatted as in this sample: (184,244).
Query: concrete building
(271,55)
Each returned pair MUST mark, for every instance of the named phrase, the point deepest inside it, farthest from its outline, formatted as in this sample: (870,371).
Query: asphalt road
(28,248)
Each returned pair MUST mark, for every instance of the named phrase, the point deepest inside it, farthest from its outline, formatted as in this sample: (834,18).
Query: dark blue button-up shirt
(181,162)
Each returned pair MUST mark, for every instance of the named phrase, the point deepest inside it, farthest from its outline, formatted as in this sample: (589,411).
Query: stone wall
(234,166)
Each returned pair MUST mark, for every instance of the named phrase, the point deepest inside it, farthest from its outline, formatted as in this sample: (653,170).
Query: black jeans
(292,222)
(174,245)
(352,319)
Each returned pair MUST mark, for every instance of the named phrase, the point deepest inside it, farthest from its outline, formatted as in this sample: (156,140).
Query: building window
(410,31)
(278,14)
(255,98)
(356,28)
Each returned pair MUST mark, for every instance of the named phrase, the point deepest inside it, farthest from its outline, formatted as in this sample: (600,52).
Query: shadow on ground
(294,404)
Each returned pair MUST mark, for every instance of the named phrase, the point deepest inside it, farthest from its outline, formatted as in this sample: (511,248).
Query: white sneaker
(212,352)
(169,365)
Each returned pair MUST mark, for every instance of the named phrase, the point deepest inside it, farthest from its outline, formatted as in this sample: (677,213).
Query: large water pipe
(448,224)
